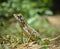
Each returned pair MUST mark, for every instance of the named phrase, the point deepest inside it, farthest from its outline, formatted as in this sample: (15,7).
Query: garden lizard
(26,28)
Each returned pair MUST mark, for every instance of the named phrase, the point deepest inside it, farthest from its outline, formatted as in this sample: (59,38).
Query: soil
(54,20)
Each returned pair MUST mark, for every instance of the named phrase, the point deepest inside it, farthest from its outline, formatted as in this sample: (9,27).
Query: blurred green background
(33,12)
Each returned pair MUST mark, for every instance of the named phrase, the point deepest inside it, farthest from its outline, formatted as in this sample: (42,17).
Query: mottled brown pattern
(26,27)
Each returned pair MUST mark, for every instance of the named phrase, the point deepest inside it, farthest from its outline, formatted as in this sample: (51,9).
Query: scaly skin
(26,28)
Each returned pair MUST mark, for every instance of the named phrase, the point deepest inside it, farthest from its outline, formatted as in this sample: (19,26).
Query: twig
(55,38)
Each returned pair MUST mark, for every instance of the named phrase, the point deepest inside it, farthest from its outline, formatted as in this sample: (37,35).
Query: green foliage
(0,46)
(17,6)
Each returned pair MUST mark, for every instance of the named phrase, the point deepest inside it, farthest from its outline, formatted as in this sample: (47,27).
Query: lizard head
(19,17)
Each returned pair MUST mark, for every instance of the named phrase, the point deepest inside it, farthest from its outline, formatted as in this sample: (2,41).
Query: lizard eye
(19,17)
